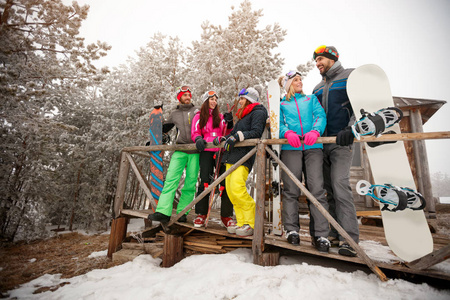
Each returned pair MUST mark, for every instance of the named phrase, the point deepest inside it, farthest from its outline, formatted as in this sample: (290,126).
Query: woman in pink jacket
(206,126)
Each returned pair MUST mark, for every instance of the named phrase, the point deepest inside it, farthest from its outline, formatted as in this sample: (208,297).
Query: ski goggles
(183,89)
(292,74)
(212,93)
(209,94)
(243,92)
(325,50)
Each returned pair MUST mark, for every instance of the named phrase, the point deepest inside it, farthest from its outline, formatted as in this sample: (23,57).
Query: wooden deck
(393,269)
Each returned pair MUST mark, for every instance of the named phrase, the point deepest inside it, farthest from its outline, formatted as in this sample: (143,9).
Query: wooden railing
(261,148)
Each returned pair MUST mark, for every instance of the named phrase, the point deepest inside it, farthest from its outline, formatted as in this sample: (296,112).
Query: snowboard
(156,157)
(407,232)
(273,99)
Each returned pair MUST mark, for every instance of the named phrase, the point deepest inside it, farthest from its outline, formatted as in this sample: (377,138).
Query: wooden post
(173,250)
(268,259)
(258,231)
(124,169)
(423,170)
(118,234)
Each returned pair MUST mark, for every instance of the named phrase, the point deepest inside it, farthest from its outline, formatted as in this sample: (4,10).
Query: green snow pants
(178,163)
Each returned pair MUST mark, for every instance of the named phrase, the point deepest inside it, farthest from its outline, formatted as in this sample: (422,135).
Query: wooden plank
(203,245)
(431,259)
(330,219)
(365,213)
(135,213)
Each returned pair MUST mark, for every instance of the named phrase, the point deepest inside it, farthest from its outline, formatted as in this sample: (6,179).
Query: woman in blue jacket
(302,121)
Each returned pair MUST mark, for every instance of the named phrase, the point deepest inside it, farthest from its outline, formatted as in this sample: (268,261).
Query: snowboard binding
(375,123)
(393,198)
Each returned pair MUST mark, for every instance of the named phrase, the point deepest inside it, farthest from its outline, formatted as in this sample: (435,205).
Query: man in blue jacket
(332,94)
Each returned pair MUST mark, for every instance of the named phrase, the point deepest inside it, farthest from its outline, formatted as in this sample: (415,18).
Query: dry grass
(65,254)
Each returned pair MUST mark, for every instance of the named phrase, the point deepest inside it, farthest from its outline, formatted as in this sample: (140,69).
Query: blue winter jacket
(301,114)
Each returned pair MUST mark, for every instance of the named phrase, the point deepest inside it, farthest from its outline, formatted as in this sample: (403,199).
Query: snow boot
(322,244)
(157,216)
(199,221)
(346,250)
(227,222)
(245,230)
(182,219)
(293,238)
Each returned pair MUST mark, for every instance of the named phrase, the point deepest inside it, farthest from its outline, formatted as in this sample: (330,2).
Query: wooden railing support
(258,231)
(124,169)
(117,235)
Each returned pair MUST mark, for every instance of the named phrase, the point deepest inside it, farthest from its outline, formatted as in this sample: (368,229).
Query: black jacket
(252,126)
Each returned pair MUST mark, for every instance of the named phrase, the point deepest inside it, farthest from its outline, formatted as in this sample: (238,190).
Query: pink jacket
(208,132)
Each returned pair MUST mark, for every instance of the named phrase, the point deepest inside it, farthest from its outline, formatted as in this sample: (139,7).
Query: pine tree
(45,69)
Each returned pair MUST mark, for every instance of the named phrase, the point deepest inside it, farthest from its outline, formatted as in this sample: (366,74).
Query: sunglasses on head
(324,49)
(243,92)
(292,74)
(183,89)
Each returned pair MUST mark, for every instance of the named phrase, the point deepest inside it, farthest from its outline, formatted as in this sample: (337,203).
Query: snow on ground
(225,276)
(230,276)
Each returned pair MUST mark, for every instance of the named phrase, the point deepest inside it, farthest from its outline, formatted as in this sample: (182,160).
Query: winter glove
(293,139)
(228,117)
(345,137)
(218,140)
(165,138)
(311,137)
(229,143)
(200,143)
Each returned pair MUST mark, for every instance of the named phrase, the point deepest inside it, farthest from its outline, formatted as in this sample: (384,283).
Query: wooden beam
(330,219)
(124,169)
(384,138)
(431,259)
(258,231)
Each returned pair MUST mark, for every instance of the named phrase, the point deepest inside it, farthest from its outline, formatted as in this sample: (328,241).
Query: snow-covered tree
(45,69)
(238,56)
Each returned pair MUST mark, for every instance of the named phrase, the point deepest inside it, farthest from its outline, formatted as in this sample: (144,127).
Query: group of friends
(303,118)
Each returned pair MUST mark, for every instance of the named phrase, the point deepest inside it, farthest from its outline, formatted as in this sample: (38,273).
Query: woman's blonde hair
(291,91)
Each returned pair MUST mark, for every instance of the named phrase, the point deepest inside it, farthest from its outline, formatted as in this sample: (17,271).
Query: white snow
(98,254)
(230,276)
(225,276)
